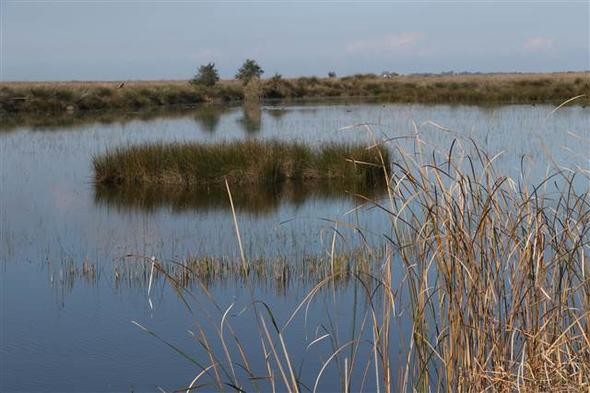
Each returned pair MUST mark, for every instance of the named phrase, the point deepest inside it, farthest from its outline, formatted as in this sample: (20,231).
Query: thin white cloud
(389,43)
(538,43)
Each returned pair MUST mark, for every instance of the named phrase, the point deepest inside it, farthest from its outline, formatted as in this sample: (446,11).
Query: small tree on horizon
(249,70)
(206,75)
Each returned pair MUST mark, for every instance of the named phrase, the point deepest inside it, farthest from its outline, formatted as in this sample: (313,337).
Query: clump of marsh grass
(494,286)
(249,162)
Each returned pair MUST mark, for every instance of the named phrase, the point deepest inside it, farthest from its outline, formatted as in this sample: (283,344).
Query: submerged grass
(250,162)
(495,285)
(279,272)
(276,272)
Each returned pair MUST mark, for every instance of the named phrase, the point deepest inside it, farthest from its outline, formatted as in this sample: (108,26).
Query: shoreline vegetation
(493,282)
(59,97)
(262,163)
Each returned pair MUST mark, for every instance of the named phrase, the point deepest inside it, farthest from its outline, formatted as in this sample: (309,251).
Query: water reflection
(208,117)
(50,212)
(69,120)
(255,200)
(251,120)
(275,111)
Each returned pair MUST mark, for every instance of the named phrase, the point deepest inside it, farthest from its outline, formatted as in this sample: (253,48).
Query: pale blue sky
(85,40)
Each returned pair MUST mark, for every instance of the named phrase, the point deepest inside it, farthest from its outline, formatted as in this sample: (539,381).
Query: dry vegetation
(51,97)
(495,283)
(31,97)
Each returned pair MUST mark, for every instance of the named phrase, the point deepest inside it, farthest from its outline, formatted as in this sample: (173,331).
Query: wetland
(456,256)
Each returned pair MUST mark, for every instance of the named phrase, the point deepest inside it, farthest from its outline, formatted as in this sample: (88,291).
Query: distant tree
(331,74)
(249,70)
(206,75)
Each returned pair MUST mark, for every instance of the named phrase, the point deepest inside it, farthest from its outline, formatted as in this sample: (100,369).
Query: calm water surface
(62,330)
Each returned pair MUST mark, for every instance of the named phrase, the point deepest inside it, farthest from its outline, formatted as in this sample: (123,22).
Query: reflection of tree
(208,117)
(252,119)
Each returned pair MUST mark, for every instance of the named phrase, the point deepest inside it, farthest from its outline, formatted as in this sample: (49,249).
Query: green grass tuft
(250,162)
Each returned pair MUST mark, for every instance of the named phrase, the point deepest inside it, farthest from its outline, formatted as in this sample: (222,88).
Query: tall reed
(494,284)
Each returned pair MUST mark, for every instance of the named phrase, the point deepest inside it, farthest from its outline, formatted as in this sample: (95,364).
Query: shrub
(249,70)
(206,76)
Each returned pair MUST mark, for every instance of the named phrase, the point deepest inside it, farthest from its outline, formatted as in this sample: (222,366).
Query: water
(66,330)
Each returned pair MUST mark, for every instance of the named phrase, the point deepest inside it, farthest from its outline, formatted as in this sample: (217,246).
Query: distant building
(388,74)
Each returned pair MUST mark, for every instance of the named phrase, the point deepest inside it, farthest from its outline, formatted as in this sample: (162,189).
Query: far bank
(56,97)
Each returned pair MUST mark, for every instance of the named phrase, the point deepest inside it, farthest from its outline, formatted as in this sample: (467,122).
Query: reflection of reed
(261,199)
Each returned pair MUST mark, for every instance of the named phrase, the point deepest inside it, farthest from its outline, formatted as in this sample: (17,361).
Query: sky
(132,40)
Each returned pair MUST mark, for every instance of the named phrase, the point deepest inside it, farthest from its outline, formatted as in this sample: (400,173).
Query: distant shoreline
(76,96)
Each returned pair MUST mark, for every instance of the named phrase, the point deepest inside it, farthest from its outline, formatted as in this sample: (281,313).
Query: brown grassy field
(52,97)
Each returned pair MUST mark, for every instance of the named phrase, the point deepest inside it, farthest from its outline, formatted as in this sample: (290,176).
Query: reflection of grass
(490,275)
(250,162)
(207,116)
(257,199)
(469,89)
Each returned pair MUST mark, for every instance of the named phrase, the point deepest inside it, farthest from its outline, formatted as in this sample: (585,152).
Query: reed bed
(494,284)
(31,97)
(249,162)
(497,273)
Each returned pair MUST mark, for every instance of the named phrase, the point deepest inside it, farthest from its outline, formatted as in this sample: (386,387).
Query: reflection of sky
(49,215)
(50,210)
